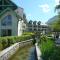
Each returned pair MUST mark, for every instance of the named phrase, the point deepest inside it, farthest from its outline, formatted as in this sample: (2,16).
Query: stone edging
(8,52)
(38,52)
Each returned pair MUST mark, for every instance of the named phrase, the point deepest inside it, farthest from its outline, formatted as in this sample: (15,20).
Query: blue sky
(40,10)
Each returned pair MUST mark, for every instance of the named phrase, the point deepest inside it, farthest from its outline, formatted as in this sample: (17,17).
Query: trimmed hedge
(8,41)
(28,33)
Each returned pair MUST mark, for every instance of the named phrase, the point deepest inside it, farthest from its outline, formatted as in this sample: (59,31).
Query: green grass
(49,49)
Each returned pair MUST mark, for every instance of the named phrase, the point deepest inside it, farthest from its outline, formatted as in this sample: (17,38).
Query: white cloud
(45,8)
(57,2)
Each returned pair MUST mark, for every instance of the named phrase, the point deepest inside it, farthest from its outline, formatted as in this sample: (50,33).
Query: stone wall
(8,52)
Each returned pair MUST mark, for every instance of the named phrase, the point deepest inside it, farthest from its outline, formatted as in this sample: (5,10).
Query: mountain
(53,19)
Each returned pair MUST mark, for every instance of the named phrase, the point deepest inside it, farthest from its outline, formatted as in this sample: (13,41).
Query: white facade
(15,29)
(34,26)
(19,28)
(11,17)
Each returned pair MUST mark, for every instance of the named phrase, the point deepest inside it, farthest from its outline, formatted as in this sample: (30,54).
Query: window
(7,21)
(39,26)
(6,32)
(35,26)
(30,29)
(35,29)
(38,29)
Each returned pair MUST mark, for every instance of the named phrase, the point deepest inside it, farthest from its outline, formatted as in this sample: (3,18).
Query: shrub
(28,33)
(4,42)
(47,47)
(8,41)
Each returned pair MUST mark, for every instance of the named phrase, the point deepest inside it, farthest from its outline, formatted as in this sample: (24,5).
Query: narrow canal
(32,55)
(25,53)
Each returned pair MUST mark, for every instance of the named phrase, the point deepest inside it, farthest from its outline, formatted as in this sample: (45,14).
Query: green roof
(7,3)
(6,10)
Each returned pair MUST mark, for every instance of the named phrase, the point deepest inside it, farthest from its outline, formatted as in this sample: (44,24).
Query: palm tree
(57,8)
(55,25)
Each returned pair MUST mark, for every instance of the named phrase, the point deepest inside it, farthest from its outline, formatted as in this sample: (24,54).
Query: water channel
(25,53)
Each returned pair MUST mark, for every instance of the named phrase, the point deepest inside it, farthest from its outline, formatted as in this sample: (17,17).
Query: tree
(56,25)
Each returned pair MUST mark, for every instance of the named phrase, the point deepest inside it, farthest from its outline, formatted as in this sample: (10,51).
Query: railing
(8,52)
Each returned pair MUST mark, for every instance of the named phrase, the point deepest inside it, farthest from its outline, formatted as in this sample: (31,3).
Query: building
(39,26)
(45,29)
(30,26)
(34,26)
(12,19)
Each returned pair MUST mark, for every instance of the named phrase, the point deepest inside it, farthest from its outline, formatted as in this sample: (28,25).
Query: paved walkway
(57,42)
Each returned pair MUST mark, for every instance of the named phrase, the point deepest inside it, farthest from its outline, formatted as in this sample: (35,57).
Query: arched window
(7,21)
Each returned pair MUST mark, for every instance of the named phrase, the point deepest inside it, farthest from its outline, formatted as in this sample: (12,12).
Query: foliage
(8,41)
(28,33)
(56,25)
(48,49)
(57,7)
(43,38)
(56,54)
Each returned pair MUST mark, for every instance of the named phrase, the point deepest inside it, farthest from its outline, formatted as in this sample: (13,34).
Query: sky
(38,10)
